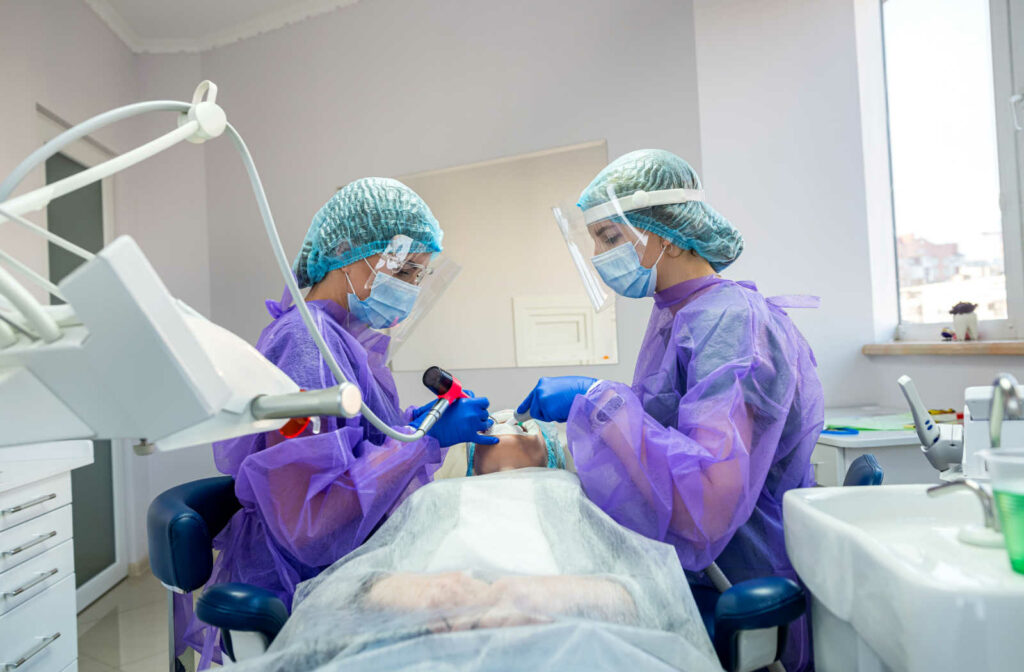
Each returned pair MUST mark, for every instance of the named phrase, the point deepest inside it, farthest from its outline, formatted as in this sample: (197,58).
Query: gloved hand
(552,398)
(417,415)
(460,422)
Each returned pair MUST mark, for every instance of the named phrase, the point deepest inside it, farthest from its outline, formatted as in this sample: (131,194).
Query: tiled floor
(126,629)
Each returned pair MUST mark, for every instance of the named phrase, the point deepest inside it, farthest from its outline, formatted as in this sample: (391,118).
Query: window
(953,154)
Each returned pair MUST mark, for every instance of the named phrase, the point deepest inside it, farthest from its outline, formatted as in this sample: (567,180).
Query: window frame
(1007,70)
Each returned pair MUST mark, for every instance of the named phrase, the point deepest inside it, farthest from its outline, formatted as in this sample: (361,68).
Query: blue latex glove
(417,415)
(552,398)
(462,421)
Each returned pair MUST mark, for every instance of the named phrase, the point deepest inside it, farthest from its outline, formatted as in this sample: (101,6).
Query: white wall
(780,111)
(781,147)
(393,87)
(60,55)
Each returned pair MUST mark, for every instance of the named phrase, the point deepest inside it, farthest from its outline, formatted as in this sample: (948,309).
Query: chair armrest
(758,604)
(244,608)
(181,524)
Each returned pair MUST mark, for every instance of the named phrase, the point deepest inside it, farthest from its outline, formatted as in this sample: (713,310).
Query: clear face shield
(603,240)
(402,282)
(442,272)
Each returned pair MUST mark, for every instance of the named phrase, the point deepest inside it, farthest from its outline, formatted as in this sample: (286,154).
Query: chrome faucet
(1006,402)
(987,503)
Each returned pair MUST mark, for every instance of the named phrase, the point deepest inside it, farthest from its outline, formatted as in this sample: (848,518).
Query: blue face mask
(390,301)
(620,268)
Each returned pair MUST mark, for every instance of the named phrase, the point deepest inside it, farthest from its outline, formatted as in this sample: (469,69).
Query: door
(80,218)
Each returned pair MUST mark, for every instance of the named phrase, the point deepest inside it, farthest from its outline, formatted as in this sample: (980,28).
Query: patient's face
(513,451)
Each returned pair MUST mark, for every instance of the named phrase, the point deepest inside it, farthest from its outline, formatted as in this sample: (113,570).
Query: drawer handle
(43,576)
(24,547)
(46,641)
(30,503)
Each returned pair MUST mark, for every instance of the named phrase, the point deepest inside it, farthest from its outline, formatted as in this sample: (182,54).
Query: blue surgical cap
(556,453)
(693,225)
(359,221)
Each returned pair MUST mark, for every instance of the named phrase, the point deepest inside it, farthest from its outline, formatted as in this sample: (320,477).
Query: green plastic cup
(1007,470)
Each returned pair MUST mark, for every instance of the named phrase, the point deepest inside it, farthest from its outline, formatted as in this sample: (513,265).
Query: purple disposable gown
(309,500)
(721,419)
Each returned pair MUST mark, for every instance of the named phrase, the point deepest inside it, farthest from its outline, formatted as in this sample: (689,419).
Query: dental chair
(865,470)
(747,622)
(181,524)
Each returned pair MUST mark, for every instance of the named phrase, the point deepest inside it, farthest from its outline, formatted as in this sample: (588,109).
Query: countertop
(26,464)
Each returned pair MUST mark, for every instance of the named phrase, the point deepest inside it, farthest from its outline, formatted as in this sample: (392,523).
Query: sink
(894,589)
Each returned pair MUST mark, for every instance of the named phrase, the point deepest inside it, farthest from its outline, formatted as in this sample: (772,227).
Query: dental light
(125,359)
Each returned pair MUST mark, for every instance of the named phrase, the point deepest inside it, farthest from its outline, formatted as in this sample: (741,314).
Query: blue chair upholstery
(181,525)
(238,606)
(706,598)
(772,601)
(864,470)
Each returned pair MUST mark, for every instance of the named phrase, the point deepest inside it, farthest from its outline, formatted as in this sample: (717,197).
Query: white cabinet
(898,453)
(38,627)
(42,632)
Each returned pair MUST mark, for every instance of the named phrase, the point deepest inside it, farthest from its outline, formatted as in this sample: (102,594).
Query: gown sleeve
(321,495)
(693,484)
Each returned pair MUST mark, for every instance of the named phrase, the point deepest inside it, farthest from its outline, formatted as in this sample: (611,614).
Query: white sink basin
(892,586)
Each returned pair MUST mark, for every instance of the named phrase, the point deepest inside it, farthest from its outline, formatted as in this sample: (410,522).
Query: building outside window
(953,153)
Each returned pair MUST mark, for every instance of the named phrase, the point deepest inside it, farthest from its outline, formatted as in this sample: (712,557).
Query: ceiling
(159,26)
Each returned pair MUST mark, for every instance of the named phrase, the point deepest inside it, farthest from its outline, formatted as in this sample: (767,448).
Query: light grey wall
(393,87)
(780,138)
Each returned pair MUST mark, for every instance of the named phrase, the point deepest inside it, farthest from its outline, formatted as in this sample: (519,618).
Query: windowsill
(958,348)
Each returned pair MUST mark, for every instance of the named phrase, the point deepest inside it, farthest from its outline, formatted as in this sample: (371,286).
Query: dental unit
(993,417)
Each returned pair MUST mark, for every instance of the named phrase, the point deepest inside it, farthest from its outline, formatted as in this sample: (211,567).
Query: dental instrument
(993,417)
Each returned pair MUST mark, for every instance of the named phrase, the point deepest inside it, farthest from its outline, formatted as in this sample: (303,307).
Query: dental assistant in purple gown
(725,405)
(310,499)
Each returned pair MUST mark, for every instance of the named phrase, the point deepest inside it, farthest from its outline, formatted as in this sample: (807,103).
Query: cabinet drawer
(33,500)
(32,577)
(42,632)
(37,536)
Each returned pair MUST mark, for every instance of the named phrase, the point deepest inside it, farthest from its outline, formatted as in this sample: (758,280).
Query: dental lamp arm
(79,131)
(40,198)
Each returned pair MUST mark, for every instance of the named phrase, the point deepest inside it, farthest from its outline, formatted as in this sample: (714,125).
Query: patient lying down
(511,568)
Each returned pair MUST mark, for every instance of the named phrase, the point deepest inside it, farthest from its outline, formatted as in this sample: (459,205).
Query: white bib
(498,530)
